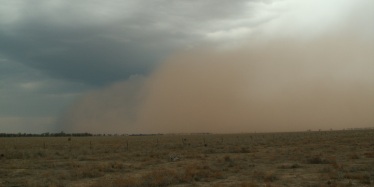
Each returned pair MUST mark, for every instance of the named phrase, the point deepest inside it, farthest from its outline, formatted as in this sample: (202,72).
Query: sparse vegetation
(334,158)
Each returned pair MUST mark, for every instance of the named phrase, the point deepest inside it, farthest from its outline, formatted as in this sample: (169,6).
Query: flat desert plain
(324,158)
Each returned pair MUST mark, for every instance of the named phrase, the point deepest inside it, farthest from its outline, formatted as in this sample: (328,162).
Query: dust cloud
(279,85)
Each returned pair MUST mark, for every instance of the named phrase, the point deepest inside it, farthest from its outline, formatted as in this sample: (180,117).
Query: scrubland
(326,158)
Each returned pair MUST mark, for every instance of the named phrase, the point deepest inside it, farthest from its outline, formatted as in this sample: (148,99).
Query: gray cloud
(53,51)
(101,42)
(28,92)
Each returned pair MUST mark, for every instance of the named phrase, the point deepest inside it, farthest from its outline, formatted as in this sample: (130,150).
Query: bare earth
(333,158)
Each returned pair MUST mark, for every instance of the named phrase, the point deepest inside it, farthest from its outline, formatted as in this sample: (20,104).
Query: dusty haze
(280,85)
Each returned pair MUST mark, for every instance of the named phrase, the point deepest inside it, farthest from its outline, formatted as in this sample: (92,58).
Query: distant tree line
(46,134)
(63,134)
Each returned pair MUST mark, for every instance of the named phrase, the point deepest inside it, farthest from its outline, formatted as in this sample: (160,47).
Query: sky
(164,66)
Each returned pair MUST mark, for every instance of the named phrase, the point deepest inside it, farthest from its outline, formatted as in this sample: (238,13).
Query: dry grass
(335,158)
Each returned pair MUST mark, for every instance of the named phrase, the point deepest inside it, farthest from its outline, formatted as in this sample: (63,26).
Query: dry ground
(333,158)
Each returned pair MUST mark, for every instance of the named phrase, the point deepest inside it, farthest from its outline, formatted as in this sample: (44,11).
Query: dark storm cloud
(27,92)
(99,42)
(53,51)
(79,56)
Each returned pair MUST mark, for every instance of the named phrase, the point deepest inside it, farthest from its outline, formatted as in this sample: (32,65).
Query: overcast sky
(53,52)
